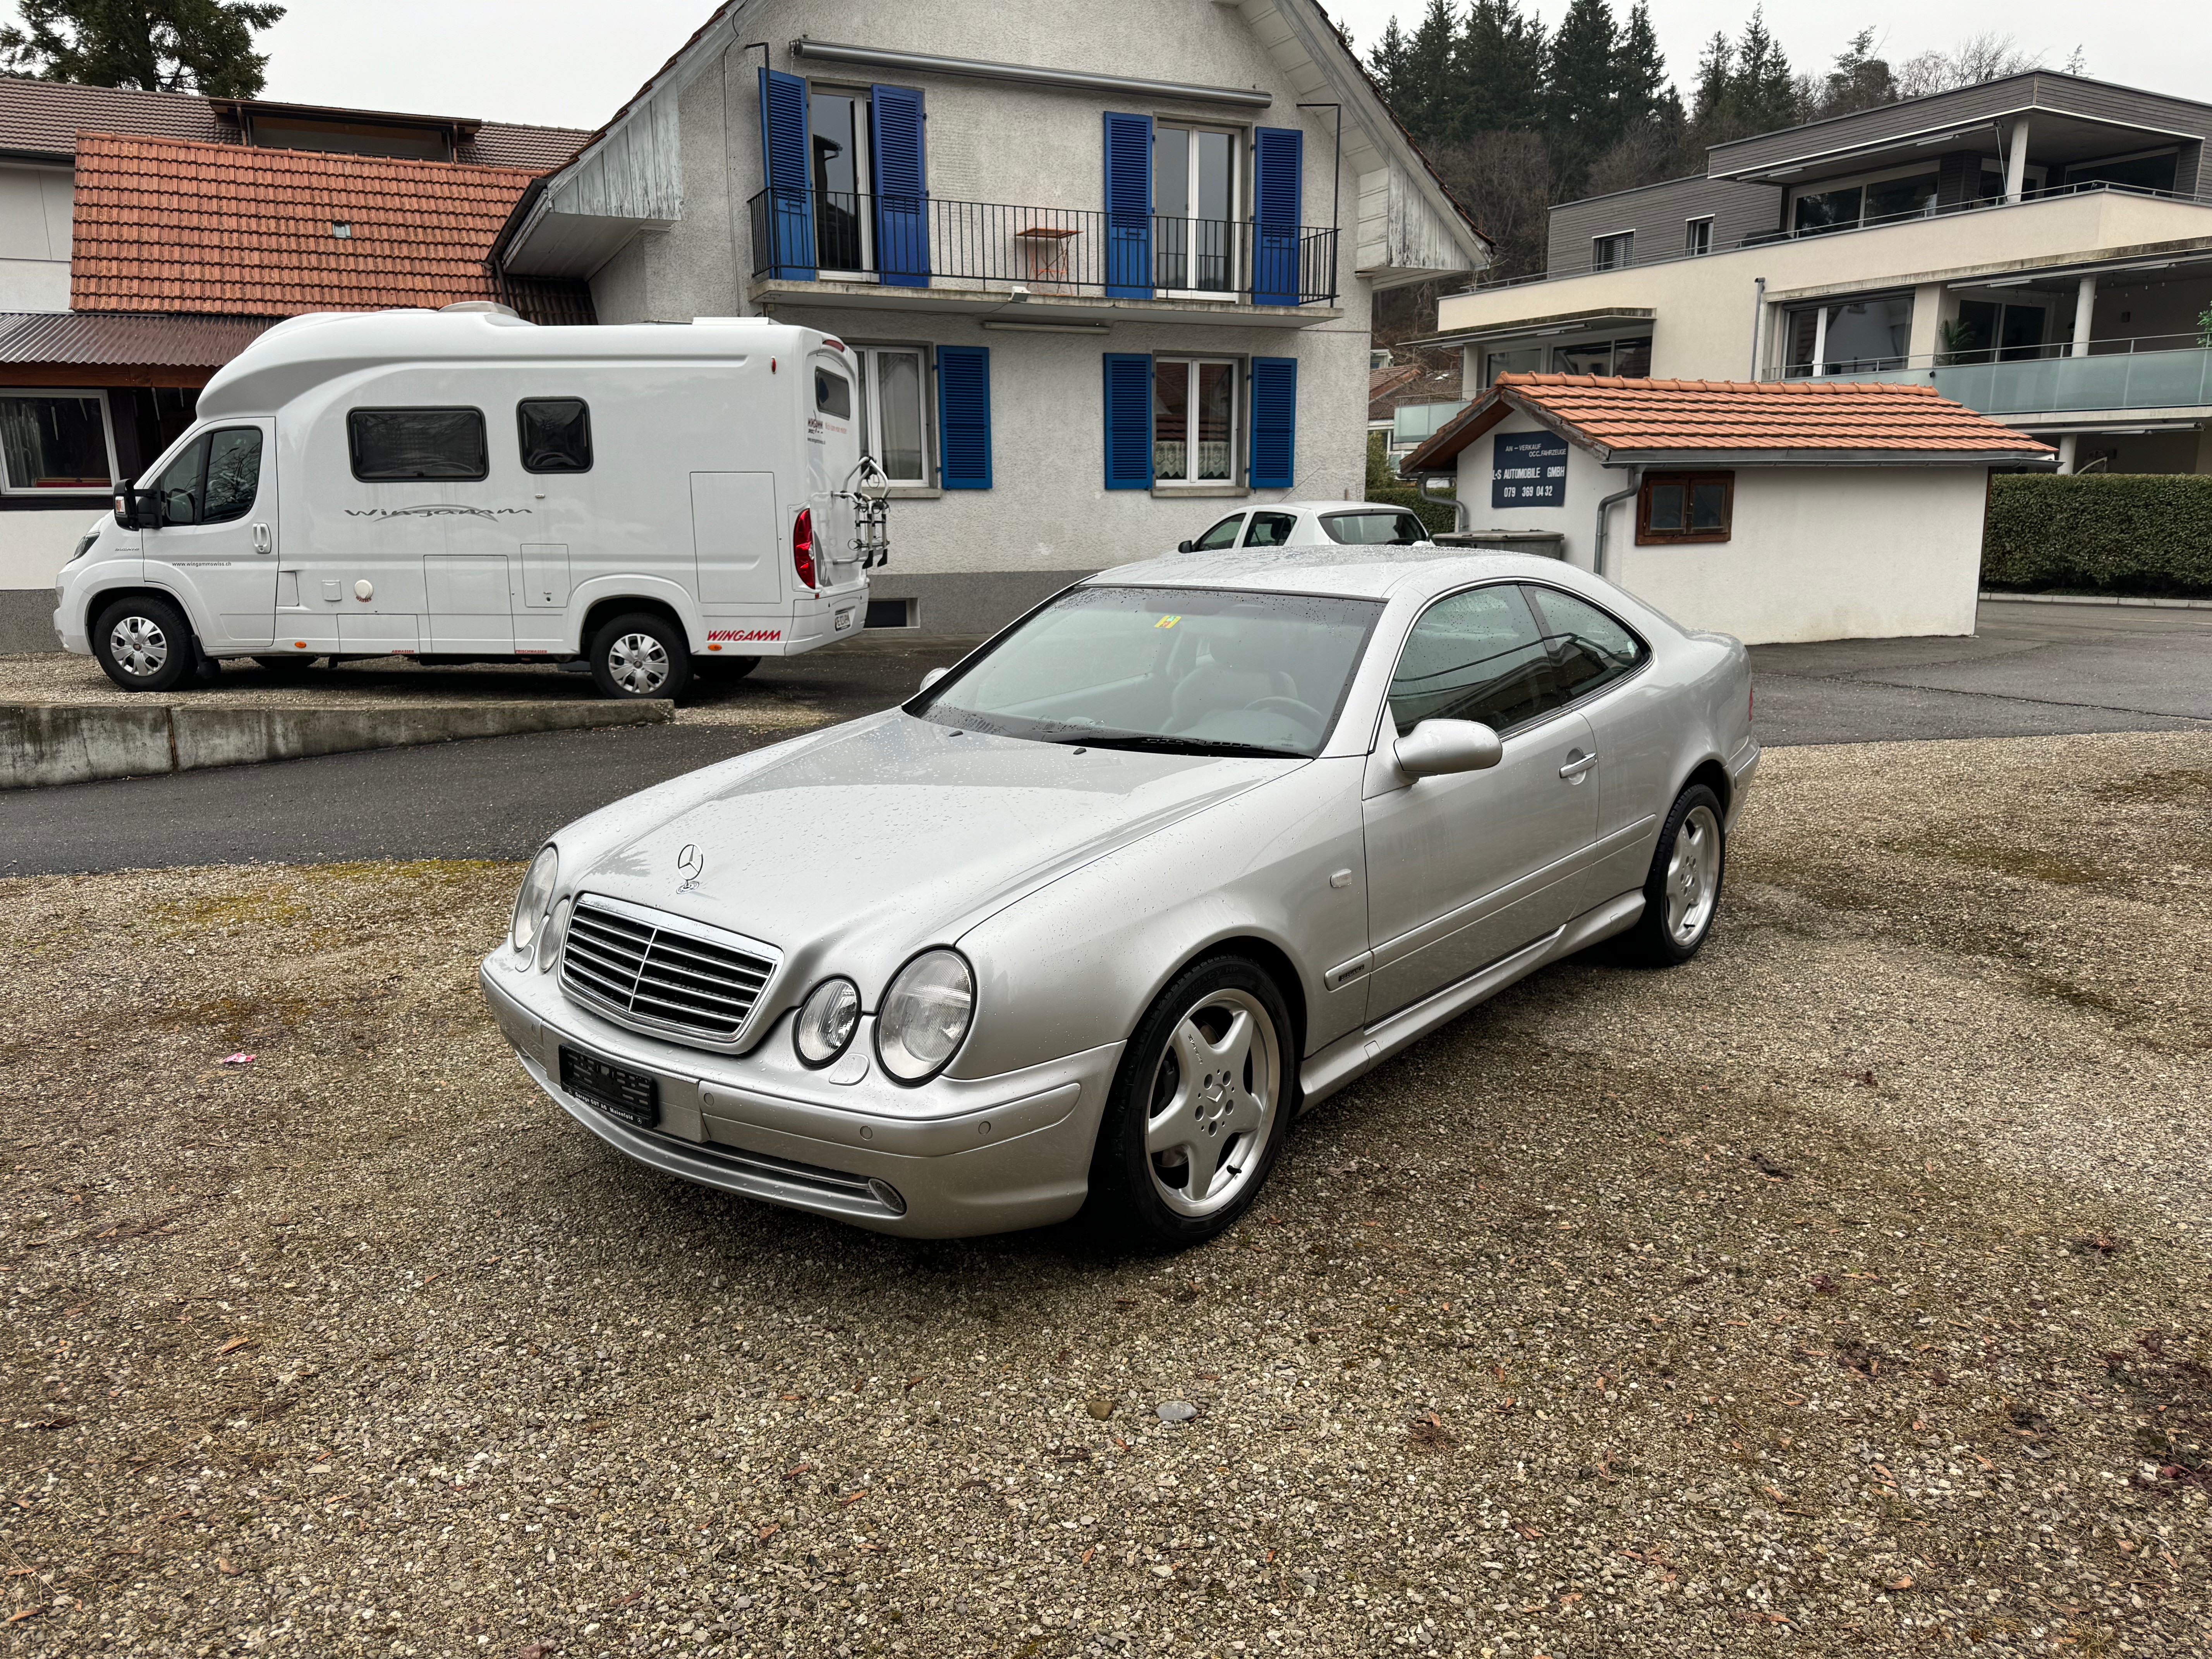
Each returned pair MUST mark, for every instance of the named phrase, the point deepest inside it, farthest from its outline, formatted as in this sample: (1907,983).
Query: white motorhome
(465,486)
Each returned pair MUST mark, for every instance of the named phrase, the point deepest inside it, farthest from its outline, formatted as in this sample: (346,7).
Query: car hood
(863,845)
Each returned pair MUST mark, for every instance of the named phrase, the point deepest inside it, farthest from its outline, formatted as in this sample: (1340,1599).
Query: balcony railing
(910,241)
(2057,385)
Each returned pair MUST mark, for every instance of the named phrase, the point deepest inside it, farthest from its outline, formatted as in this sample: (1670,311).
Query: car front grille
(661,973)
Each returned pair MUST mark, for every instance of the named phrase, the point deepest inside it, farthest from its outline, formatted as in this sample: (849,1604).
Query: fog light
(887,1195)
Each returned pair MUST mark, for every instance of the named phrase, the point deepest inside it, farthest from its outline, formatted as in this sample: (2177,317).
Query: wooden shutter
(902,180)
(1274,422)
(1277,184)
(1128,421)
(788,226)
(1128,206)
(963,417)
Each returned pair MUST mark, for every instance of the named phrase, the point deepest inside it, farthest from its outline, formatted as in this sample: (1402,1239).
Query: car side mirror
(932,677)
(1434,748)
(1185,546)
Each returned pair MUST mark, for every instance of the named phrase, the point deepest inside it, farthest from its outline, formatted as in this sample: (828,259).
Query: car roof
(1367,573)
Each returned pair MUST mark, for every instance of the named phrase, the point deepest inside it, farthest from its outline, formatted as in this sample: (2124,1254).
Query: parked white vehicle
(466,486)
(1314,524)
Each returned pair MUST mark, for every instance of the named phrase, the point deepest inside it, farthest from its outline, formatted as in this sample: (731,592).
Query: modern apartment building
(2039,248)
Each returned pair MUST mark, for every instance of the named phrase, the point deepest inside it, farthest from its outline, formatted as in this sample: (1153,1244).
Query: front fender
(1075,965)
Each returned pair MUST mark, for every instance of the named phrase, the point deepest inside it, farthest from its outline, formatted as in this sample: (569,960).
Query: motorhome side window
(393,445)
(555,434)
(833,394)
(214,480)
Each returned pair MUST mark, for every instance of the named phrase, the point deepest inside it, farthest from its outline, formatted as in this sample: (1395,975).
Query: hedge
(2100,532)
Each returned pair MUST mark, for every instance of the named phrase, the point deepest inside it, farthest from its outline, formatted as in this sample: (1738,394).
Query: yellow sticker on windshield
(1167,621)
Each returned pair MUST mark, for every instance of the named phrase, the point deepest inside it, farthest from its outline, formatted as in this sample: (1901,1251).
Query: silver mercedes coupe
(1088,921)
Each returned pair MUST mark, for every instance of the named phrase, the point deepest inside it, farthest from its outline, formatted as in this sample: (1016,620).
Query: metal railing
(1553,273)
(927,241)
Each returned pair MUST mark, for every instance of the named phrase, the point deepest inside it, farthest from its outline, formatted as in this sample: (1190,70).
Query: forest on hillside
(1518,115)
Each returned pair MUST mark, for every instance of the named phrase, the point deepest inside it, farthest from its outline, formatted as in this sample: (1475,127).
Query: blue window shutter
(963,417)
(1274,422)
(902,177)
(788,224)
(1128,421)
(1278,184)
(1128,206)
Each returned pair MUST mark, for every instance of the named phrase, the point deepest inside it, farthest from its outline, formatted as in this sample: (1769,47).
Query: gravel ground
(60,678)
(1844,1292)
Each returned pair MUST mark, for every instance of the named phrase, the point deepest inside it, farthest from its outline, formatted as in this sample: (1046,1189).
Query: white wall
(1815,553)
(36,214)
(36,542)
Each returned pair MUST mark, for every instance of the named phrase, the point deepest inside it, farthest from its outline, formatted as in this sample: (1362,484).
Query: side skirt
(1353,1056)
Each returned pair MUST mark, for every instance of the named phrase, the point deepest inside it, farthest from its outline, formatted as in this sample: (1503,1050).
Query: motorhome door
(216,543)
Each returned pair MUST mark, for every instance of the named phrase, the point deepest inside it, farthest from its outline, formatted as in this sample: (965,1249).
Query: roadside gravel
(1846,1291)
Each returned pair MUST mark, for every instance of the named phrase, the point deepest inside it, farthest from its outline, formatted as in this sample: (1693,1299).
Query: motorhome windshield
(1178,670)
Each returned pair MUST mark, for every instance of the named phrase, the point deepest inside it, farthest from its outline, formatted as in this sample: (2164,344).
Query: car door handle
(1576,765)
(262,543)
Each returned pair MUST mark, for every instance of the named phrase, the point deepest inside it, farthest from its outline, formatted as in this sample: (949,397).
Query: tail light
(802,546)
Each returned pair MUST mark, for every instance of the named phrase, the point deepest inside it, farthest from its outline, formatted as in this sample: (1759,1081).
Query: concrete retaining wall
(75,743)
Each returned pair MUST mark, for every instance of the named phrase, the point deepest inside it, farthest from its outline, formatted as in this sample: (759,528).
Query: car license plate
(632,1096)
(844,620)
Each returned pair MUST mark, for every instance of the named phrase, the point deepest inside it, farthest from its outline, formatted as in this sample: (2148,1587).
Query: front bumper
(953,1159)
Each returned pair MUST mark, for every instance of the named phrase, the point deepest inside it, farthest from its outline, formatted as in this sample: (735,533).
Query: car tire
(724,668)
(1160,1128)
(144,644)
(287,668)
(640,655)
(1682,895)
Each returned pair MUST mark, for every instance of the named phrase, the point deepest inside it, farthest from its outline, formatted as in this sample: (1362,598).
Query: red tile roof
(1624,420)
(168,225)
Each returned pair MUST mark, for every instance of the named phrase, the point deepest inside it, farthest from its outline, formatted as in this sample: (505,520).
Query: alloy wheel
(1693,875)
(639,664)
(1213,1103)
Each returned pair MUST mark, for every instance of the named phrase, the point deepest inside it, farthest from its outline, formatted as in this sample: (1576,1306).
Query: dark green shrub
(2103,533)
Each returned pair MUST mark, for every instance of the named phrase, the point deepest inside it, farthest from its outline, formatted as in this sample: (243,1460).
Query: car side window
(1374,529)
(1222,535)
(1588,649)
(234,474)
(1475,656)
(180,485)
(1270,529)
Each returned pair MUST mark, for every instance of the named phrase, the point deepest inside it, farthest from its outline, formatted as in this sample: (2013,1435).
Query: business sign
(1528,469)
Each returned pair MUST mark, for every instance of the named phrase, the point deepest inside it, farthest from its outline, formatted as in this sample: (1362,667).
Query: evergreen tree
(1430,104)
(1642,92)
(1502,70)
(1716,76)
(1859,81)
(1390,64)
(155,45)
(1584,111)
(1763,90)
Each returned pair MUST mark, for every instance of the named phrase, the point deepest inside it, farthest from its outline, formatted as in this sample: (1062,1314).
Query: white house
(1101,265)
(1796,510)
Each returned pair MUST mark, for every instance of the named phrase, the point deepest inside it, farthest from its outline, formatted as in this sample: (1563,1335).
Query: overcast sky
(571,63)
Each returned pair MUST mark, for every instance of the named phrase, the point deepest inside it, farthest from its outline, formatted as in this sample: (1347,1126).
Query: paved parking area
(1844,1293)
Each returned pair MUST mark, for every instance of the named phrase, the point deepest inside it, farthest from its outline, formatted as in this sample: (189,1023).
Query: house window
(895,425)
(1900,198)
(56,443)
(1521,360)
(554,433)
(1988,331)
(392,446)
(1684,507)
(1819,211)
(1194,209)
(1860,336)
(1697,238)
(1612,252)
(1630,359)
(838,131)
(1193,421)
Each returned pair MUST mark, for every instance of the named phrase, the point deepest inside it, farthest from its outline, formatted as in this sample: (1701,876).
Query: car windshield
(1178,670)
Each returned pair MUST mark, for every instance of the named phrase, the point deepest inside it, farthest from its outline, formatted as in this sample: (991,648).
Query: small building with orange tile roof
(1791,510)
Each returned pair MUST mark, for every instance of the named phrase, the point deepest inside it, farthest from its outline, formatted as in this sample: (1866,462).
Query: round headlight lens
(925,1014)
(826,1020)
(535,899)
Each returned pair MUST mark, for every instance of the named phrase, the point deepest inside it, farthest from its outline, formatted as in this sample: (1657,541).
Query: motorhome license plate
(844,620)
(632,1096)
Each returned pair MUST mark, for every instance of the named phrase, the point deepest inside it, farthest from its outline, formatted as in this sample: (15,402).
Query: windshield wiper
(1162,744)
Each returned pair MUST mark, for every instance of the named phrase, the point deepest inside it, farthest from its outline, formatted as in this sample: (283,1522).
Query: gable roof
(1742,422)
(41,119)
(171,225)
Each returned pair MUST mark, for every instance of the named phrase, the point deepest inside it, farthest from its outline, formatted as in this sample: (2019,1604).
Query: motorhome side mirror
(124,516)
(137,509)
(1185,546)
(1434,748)
(932,677)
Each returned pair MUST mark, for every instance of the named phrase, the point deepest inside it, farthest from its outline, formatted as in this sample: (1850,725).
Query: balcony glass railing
(915,241)
(2052,386)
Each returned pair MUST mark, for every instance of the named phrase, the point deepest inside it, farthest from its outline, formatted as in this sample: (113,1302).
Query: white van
(463,486)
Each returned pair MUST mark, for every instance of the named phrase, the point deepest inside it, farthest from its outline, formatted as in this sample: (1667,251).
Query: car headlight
(925,1014)
(556,932)
(535,899)
(825,1021)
